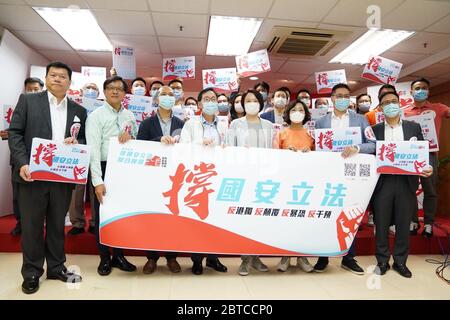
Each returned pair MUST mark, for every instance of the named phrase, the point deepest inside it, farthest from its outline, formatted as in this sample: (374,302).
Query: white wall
(15,61)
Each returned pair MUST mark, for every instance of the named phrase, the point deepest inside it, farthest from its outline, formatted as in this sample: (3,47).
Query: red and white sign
(326,80)
(382,70)
(223,80)
(124,61)
(426,121)
(141,106)
(253,63)
(95,75)
(402,157)
(183,67)
(336,140)
(59,162)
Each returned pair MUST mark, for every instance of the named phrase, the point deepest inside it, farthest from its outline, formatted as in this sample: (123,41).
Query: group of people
(252,114)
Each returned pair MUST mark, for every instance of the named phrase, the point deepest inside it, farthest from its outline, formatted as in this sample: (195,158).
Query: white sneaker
(258,265)
(244,268)
(371,222)
(304,264)
(392,229)
(284,264)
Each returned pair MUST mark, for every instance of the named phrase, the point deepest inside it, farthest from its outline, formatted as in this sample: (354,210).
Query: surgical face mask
(210,108)
(420,95)
(264,95)
(238,107)
(297,116)
(306,101)
(154,92)
(342,104)
(322,106)
(280,102)
(178,93)
(139,91)
(252,108)
(166,102)
(364,106)
(90,93)
(391,110)
(223,107)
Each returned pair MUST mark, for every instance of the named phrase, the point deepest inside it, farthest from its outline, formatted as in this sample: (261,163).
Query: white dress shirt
(58,115)
(342,122)
(393,133)
(210,130)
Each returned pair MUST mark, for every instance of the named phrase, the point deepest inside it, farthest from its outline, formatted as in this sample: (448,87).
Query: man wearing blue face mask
(90,90)
(394,196)
(340,117)
(420,91)
(165,128)
(205,130)
(138,87)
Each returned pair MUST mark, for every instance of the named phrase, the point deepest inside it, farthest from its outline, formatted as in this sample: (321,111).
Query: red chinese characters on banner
(117,51)
(78,172)
(9,114)
(198,192)
(155,161)
(347,226)
(374,64)
(322,79)
(387,152)
(419,165)
(210,77)
(169,66)
(326,140)
(45,153)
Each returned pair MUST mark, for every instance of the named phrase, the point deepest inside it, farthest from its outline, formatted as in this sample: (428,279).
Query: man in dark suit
(395,195)
(162,127)
(48,115)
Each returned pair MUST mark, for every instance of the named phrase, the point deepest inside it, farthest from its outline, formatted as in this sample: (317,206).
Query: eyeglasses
(385,103)
(347,96)
(112,88)
(209,100)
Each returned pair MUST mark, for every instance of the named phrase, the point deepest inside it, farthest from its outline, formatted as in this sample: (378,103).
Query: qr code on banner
(350,169)
(364,170)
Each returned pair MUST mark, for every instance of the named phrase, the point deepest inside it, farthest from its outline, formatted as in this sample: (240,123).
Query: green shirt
(101,125)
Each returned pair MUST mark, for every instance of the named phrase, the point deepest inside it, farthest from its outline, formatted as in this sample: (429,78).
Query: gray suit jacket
(356,120)
(410,130)
(31,119)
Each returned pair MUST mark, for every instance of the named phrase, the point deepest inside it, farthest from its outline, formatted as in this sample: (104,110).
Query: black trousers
(429,194)
(198,257)
(154,255)
(104,250)
(15,194)
(43,202)
(393,200)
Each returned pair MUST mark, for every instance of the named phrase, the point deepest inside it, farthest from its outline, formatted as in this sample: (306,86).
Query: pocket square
(413,138)
(76,119)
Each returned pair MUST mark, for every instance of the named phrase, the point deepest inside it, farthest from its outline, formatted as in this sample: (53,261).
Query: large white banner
(233,200)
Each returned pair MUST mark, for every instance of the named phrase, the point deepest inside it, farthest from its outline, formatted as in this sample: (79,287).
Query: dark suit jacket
(410,129)
(150,129)
(31,119)
(270,116)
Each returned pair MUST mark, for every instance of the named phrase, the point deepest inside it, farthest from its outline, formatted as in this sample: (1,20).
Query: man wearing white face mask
(138,87)
(420,90)
(205,130)
(304,96)
(394,196)
(76,209)
(363,103)
(165,128)
(342,118)
(279,101)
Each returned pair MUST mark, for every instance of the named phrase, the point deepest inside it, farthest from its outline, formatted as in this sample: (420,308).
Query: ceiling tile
(16,2)
(147,43)
(307,10)
(442,25)
(57,4)
(69,57)
(305,67)
(43,40)
(247,8)
(97,59)
(22,18)
(125,22)
(138,5)
(412,15)
(358,9)
(181,6)
(405,58)
(435,70)
(182,46)
(168,24)
(435,42)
